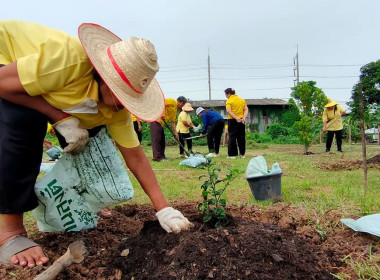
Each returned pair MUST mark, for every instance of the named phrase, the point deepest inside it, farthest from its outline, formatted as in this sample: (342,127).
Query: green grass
(365,268)
(304,184)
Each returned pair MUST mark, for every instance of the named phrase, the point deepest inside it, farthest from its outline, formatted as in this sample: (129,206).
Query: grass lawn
(304,183)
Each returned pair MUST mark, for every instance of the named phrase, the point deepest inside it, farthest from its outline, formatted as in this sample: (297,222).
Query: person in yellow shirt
(77,85)
(157,127)
(183,129)
(237,111)
(137,127)
(332,123)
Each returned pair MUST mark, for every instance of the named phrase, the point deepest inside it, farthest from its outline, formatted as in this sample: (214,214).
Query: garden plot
(282,242)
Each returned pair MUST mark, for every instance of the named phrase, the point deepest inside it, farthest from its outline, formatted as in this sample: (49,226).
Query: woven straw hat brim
(187,108)
(148,106)
(330,104)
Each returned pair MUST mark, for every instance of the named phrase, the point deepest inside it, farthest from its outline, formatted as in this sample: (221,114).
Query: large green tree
(311,100)
(370,81)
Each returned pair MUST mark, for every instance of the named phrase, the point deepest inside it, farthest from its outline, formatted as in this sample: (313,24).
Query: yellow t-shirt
(237,105)
(53,64)
(183,116)
(330,115)
(170,111)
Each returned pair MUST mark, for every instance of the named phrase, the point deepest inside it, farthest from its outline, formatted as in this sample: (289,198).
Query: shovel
(327,126)
(196,137)
(74,254)
(168,127)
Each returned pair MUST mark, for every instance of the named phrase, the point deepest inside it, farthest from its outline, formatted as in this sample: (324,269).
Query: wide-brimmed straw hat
(187,107)
(127,67)
(330,104)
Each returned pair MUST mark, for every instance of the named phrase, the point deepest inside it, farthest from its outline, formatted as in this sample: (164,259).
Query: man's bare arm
(12,90)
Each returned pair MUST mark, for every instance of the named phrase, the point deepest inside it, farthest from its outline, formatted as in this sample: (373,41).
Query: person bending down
(48,75)
(213,124)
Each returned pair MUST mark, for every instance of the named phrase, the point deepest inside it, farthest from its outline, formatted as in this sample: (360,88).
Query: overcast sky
(252,44)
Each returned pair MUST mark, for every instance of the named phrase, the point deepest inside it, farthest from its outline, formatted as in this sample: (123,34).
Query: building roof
(257,102)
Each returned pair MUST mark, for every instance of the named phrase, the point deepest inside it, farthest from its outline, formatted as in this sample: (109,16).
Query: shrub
(213,205)
(276,130)
(259,138)
(287,140)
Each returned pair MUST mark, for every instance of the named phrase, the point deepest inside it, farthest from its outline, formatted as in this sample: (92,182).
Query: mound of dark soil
(244,250)
(279,243)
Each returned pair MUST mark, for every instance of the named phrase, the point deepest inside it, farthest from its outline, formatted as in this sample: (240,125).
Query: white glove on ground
(74,135)
(172,220)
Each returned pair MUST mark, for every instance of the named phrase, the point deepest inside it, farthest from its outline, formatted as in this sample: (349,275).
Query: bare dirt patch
(282,242)
(373,162)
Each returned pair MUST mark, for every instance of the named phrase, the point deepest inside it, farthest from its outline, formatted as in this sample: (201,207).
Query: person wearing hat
(213,124)
(48,75)
(237,111)
(157,127)
(332,123)
(183,129)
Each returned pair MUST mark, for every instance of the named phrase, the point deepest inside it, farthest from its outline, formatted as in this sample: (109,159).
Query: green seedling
(213,188)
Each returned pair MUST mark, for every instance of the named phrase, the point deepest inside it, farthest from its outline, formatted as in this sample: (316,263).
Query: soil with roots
(282,242)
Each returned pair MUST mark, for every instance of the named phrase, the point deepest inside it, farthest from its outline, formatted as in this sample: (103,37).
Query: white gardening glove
(172,220)
(74,135)
(197,128)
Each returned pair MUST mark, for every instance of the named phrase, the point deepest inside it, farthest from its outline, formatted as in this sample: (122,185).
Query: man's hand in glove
(172,220)
(74,135)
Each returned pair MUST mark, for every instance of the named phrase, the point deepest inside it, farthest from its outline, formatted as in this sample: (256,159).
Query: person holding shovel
(48,75)
(213,124)
(183,129)
(157,127)
(332,123)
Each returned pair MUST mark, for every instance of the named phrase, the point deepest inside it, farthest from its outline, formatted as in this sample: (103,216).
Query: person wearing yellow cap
(332,123)
(78,85)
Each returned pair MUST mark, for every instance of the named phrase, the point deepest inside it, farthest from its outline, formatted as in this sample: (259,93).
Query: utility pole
(296,69)
(209,76)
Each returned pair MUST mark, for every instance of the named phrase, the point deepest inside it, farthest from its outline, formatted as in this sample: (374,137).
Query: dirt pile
(279,243)
(373,162)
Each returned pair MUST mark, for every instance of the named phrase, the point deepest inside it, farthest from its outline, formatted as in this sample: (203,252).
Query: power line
(249,67)
(189,69)
(253,78)
(221,90)
(181,81)
(332,65)
(180,66)
(182,77)
(329,77)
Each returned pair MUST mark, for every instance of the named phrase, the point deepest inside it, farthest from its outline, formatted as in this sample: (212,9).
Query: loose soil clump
(278,243)
(373,162)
